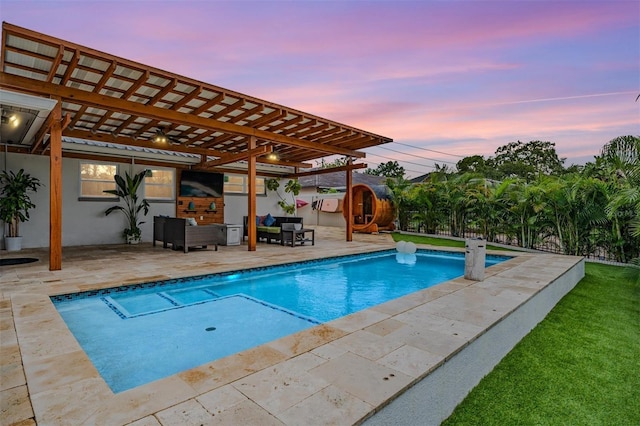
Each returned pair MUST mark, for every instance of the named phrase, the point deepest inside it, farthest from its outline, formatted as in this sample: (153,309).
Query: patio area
(352,370)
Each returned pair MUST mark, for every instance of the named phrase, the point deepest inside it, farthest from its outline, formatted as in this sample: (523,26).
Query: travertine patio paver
(369,381)
(337,373)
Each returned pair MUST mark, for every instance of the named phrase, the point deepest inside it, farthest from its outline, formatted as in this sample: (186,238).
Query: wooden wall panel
(201,211)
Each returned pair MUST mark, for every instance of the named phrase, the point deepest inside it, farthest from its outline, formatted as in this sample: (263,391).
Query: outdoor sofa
(273,231)
(180,234)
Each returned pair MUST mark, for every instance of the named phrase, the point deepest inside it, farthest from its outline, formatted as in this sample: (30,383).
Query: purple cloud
(461,77)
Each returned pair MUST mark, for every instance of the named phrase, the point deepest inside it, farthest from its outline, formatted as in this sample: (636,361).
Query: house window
(95,178)
(160,184)
(236,184)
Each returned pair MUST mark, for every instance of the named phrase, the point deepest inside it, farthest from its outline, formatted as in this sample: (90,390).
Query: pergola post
(349,215)
(211,127)
(251,202)
(55,190)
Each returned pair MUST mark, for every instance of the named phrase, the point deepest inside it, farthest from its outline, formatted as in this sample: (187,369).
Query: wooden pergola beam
(41,133)
(15,82)
(261,150)
(331,170)
(284,163)
(46,127)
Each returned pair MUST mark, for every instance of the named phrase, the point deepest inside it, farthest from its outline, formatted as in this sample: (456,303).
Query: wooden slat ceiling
(213,120)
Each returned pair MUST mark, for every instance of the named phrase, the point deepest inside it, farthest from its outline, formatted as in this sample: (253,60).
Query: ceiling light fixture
(160,137)
(273,156)
(13,120)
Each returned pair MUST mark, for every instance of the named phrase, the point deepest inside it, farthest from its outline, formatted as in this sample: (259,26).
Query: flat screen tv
(201,184)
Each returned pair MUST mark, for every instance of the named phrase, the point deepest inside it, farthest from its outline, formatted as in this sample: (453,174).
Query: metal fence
(548,244)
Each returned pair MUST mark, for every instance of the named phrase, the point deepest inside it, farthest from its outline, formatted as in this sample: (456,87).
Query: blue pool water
(140,333)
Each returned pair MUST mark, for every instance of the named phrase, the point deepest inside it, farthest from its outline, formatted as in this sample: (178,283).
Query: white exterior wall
(316,217)
(84,222)
(236,206)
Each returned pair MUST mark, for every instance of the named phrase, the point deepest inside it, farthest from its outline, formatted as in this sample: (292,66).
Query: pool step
(131,305)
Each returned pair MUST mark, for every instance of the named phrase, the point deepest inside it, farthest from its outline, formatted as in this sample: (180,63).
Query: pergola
(101,97)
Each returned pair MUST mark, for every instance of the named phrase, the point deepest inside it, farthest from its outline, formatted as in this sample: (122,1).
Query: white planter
(132,240)
(13,243)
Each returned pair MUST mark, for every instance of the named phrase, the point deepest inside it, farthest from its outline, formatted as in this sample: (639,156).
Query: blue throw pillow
(269,220)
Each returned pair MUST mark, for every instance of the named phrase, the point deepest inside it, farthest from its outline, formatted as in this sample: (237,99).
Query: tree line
(524,195)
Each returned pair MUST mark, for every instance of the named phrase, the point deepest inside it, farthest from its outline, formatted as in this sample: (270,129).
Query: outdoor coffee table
(298,236)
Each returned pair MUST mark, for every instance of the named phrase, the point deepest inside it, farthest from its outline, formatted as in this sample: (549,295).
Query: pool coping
(313,370)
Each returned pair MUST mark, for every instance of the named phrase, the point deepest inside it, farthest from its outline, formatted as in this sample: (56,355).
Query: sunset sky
(444,79)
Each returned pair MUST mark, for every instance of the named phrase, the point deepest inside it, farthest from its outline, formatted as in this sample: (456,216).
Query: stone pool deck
(352,370)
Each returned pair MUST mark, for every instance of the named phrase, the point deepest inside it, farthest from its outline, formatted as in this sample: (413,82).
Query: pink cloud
(463,77)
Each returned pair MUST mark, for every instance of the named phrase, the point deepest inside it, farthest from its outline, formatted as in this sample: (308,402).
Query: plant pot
(132,239)
(13,243)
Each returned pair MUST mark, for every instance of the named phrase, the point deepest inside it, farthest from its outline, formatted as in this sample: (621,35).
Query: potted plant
(15,204)
(127,190)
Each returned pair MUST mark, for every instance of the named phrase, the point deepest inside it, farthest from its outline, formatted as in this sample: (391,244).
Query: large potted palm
(15,204)
(127,190)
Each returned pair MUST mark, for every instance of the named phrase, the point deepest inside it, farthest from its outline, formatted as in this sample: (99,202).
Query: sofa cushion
(269,220)
(269,229)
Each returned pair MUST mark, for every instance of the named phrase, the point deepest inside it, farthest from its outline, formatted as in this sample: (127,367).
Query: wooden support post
(349,196)
(55,190)
(252,231)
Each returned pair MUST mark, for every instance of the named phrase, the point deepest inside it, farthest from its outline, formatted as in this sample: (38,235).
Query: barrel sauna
(373,208)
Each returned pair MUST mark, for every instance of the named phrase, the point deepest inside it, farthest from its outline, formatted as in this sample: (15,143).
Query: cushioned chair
(293,234)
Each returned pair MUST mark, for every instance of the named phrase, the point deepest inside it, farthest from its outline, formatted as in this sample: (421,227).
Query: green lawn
(442,242)
(579,366)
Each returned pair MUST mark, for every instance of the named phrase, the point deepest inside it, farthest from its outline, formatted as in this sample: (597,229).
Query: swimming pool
(140,333)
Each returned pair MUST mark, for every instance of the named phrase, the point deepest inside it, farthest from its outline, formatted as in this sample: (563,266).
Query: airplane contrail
(564,98)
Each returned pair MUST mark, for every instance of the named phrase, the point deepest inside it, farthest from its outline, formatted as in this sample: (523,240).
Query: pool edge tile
(306,340)
(226,370)
(142,401)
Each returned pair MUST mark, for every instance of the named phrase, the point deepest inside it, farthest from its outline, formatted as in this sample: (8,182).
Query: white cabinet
(234,235)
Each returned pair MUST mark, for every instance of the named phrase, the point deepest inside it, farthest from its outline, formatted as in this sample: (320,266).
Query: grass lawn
(579,366)
(442,242)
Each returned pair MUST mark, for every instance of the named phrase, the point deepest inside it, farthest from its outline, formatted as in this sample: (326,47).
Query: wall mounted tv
(201,184)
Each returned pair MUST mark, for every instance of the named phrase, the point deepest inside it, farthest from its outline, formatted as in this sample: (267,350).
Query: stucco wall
(316,217)
(84,222)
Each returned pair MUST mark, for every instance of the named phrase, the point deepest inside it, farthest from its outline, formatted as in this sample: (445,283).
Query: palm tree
(574,206)
(401,199)
(456,202)
(526,202)
(428,202)
(485,206)
(617,168)
(127,190)
(621,160)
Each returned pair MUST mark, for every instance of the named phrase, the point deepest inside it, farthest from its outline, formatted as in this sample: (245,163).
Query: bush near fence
(548,244)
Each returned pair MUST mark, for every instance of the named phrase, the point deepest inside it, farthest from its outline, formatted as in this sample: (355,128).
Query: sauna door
(367,206)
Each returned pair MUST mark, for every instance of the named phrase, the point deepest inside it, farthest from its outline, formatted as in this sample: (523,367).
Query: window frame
(96,197)
(245,187)
(172,185)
